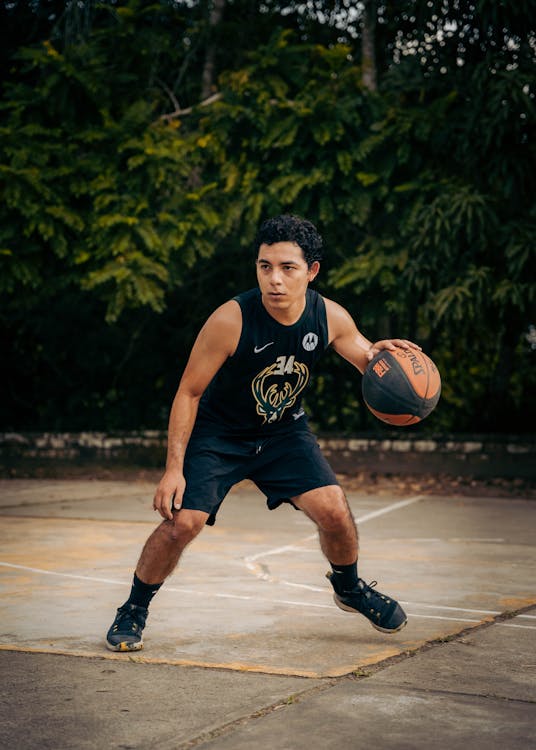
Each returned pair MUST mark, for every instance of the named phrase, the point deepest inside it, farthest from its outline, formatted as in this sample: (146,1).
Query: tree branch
(188,110)
(368,45)
(170,93)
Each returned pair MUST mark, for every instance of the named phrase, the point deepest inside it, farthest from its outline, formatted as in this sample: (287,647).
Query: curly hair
(289,228)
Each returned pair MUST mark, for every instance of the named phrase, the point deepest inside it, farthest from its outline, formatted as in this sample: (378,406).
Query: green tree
(128,197)
(450,170)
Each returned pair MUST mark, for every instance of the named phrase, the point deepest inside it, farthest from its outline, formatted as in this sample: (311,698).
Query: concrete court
(247,630)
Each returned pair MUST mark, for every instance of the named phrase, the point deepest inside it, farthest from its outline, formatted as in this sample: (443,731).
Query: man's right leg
(158,560)
(163,548)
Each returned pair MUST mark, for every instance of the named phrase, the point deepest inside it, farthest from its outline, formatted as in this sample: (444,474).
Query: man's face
(283,275)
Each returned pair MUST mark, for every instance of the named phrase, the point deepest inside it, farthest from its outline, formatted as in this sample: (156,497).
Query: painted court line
(289,602)
(461,609)
(389,509)
(260,571)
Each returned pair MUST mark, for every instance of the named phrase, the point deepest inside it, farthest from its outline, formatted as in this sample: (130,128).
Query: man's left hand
(390,345)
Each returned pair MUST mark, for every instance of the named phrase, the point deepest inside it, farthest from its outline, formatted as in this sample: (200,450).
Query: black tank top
(258,390)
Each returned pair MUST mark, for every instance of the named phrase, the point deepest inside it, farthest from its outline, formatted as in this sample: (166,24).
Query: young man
(237,415)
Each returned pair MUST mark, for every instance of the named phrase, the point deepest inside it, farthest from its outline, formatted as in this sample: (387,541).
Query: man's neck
(286,316)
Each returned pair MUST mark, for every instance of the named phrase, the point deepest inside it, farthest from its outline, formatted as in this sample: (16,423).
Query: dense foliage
(129,203)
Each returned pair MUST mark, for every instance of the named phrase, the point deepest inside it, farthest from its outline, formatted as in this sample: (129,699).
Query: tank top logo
(277,387)
(309,341)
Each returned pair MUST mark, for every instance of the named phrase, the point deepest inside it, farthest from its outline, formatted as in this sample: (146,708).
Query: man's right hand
(169,494)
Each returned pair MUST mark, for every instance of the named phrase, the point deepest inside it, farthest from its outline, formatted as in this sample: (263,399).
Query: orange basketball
(401,387)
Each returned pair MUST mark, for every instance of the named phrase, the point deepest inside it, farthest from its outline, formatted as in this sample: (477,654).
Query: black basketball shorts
(282,467)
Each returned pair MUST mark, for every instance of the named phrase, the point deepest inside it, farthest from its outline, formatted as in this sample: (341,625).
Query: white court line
(62,575)
(250,563)
(251,560)
(461,609)
(512,625)
(291,602)
(389,508)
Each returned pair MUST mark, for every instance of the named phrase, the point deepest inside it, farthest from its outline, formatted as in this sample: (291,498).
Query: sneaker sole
(346,608)
(124,646)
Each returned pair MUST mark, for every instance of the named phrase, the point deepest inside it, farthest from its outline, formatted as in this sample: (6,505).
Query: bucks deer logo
(277,387)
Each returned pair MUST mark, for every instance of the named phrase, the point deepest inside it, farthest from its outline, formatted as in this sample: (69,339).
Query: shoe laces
(369,592)
(130,618)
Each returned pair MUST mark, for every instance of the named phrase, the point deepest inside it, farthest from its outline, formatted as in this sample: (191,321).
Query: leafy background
(142,142)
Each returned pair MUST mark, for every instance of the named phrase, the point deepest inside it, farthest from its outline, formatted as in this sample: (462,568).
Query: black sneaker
(384,613)
(126,630)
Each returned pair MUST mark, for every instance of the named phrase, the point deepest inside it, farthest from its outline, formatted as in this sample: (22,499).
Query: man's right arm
(216,341)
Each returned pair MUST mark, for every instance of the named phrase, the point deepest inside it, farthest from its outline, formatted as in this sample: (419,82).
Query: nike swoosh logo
(260,348)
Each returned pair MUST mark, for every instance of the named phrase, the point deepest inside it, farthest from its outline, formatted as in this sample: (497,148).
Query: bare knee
(333,518)
(186,525)
(327,507)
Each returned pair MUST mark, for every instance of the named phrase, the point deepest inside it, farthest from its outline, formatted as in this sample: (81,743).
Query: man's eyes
(268,268)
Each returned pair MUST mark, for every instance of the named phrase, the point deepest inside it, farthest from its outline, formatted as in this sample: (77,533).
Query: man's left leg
(328,508)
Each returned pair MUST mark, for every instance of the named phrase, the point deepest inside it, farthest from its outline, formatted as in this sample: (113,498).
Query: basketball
(401,387)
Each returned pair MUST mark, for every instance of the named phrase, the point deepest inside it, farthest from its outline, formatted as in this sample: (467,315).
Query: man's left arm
(350,343)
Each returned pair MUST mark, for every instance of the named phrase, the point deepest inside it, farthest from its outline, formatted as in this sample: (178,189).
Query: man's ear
(313,270)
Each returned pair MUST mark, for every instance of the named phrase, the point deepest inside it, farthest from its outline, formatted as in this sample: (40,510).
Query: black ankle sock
(141,593)
(345,576)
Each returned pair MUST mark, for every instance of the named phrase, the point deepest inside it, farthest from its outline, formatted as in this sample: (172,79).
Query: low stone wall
(460,455)
(479,457)
(146,448)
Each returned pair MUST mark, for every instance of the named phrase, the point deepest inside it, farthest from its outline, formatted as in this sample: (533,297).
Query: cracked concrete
(244,647)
